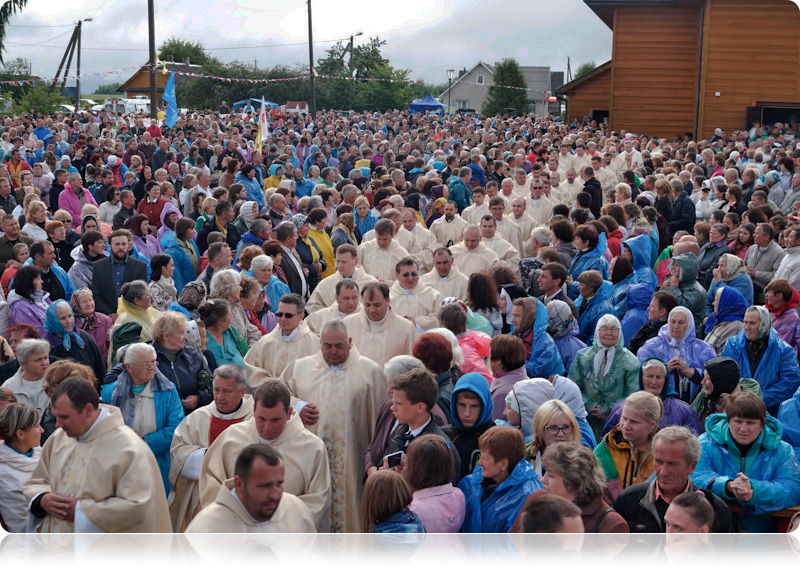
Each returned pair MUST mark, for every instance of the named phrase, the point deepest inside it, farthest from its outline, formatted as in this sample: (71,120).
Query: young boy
(471,406)
(413,396)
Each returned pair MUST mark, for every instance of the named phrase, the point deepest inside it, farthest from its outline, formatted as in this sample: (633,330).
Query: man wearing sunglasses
(415,301)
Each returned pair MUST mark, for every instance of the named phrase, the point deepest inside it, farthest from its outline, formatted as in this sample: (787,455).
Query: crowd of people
(396,322)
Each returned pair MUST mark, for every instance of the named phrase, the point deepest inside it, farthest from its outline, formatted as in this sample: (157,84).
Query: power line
(37,26)
(49,40)
(206,49)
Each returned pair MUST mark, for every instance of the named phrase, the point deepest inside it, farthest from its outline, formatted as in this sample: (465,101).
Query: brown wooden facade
(589,95)
(686,67)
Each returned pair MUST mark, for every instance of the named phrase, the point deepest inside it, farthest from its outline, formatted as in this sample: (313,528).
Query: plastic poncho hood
(472,382)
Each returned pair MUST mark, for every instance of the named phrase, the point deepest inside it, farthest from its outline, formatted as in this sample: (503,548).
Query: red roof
(298,104)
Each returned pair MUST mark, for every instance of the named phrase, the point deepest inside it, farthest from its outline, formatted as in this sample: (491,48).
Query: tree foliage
(9,8)
(180,50)
(108,89)
(507,73)
(584,68)
(15,70)
(39,99)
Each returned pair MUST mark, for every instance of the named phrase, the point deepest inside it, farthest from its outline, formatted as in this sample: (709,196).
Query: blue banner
(171,100)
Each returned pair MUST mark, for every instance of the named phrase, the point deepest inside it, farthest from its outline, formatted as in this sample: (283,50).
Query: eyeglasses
(286,315)
(148,364)
(414,274)
(554,430)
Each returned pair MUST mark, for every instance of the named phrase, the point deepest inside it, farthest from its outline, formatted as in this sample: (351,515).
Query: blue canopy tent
(427,104)
(256,103)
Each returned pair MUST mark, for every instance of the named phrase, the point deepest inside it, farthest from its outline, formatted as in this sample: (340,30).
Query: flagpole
(311,64)
(151,26)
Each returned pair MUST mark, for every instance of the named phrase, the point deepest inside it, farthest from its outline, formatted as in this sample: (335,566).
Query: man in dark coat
(110,273)
(222,221)
(291,265)
(657,311)
(683,212)
(592,186)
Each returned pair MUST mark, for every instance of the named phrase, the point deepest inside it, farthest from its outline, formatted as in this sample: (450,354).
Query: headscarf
(528,316)
(54,326)
(732,306)
(605,352)
(86,219)
(91,320)
(689,326)
(438,165)
(525,397)
(568,392)
(765,321)
(436,211)
(561,321)
(299,220)
(123,398)
(734,266)
(192,295)
(248,213)
(134,224)
(725,375)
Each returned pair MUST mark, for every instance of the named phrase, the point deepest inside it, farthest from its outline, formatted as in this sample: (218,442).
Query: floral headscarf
(561,320)
(528,316)
(91,320)
(734,266)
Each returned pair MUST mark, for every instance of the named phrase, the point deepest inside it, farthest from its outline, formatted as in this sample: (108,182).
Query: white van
(127,106)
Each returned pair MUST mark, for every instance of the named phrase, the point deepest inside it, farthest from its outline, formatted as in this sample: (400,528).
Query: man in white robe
(254,501)
(274,422)
(506,253)
(522,183)
(377,332)
(628,159)
(199,430)
(449,229)
(95,474)
(413,300)
(606,177)
(403,236)
(539,206)
(480,207)
(572,186)
(523,220)
(347,302)
(471,256)
(346,268)
(287,342)
(379,256)
(506,193)
(509,231)
(424,241)
(347,390)
(445,277)
(565,158)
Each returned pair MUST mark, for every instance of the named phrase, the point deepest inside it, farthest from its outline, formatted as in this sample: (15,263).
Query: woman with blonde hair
(626,452)
(553,423)
(207,211)
(35,219)
(19,456)
(384,508)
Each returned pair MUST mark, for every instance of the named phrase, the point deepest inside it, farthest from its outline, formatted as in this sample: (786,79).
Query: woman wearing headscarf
(563,327)
(776,191)
(87,319)
(685,355)
(247,213)
(653,378)
(591,255)
(782,300)
(730,272)
(569,393)
(436,212)
(720,378)
(763,356)
(726,320)
(605,372)
(529,318)
(68,342)
(144,243)
(189,299)
(622,277)
(134,305)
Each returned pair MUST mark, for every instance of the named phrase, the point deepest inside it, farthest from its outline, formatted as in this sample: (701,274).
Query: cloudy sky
(426,37)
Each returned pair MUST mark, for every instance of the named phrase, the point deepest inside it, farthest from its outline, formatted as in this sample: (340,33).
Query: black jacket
(683,214)
(649,330)
(637,506)
(594,188)
(55,190)
(398,443)
(232,239)
(465,441)
(293,278)
(707,261)
(103,284)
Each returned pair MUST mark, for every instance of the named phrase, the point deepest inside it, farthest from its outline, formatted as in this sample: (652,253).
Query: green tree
(507,74)
(584,68)
(15,70)
(393,92)
(10,8)
(180,49)
(39,99)
(108,89)
(335,93)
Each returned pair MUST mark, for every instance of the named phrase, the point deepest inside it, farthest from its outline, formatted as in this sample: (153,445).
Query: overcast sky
(426,37)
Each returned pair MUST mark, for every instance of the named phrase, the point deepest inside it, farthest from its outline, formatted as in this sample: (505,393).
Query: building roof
(488,67)
(605,8)
(536,78)
(171,66)
(564,89)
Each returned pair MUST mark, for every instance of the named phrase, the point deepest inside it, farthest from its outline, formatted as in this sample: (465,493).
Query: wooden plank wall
(591,95)
(751,53)
(654,78)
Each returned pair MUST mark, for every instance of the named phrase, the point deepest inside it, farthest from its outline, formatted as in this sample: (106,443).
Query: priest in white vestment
(449,229)
(347,391)
(445,277)
(379,256)
(347,303)
(538,206)
(424,241)
(506,253)
(507,230)
(473,213)
(346,268)
(413,300)
(525,223)
(471,256)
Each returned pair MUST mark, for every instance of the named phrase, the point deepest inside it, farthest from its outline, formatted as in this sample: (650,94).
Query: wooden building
(139,82)
(687,67)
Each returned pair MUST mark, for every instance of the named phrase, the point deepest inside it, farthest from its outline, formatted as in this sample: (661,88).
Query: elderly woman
(496,488)
(20,433)
(626,452)
(162,287)
(226,284)
(605,372)
(436,353)
(252,298)
(721,378)
(262,269)
(653,379)
(35,219)
(591,256)
(553,423)
(683,283)
(87,319)
(149,403)
(28,301)
(763,356)
(731,272)
(744,460)
(563,327)
(684,354)
(507,362)
(223,341)
(593,302)
(726,320)
(529,318)
(782,300)
(135,305)
(710,254)
(68,342)
(573,473)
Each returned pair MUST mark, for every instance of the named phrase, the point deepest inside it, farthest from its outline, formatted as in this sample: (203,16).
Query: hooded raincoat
(692,351)
(597,306)
(619,294)
(604,388)
(254,191)
(770,465)
(586,260)
(637,299)
(676,411)
(499,511)
(640,248)
(168,209)
(184,272)
(789,417)
(543,358)
(466,438)
(563,327)
(689,292)
(786,321)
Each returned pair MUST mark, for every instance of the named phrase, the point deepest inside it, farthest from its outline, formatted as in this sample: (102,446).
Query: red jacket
(152,210)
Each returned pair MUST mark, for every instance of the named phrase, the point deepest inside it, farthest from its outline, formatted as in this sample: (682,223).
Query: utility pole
(352,78)
(310,64)
(151,27)
(78,78)
(450,73)
(68,52)
(569,71)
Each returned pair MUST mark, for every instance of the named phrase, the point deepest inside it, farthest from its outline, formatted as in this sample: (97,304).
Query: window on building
(461,104)
(480,80)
